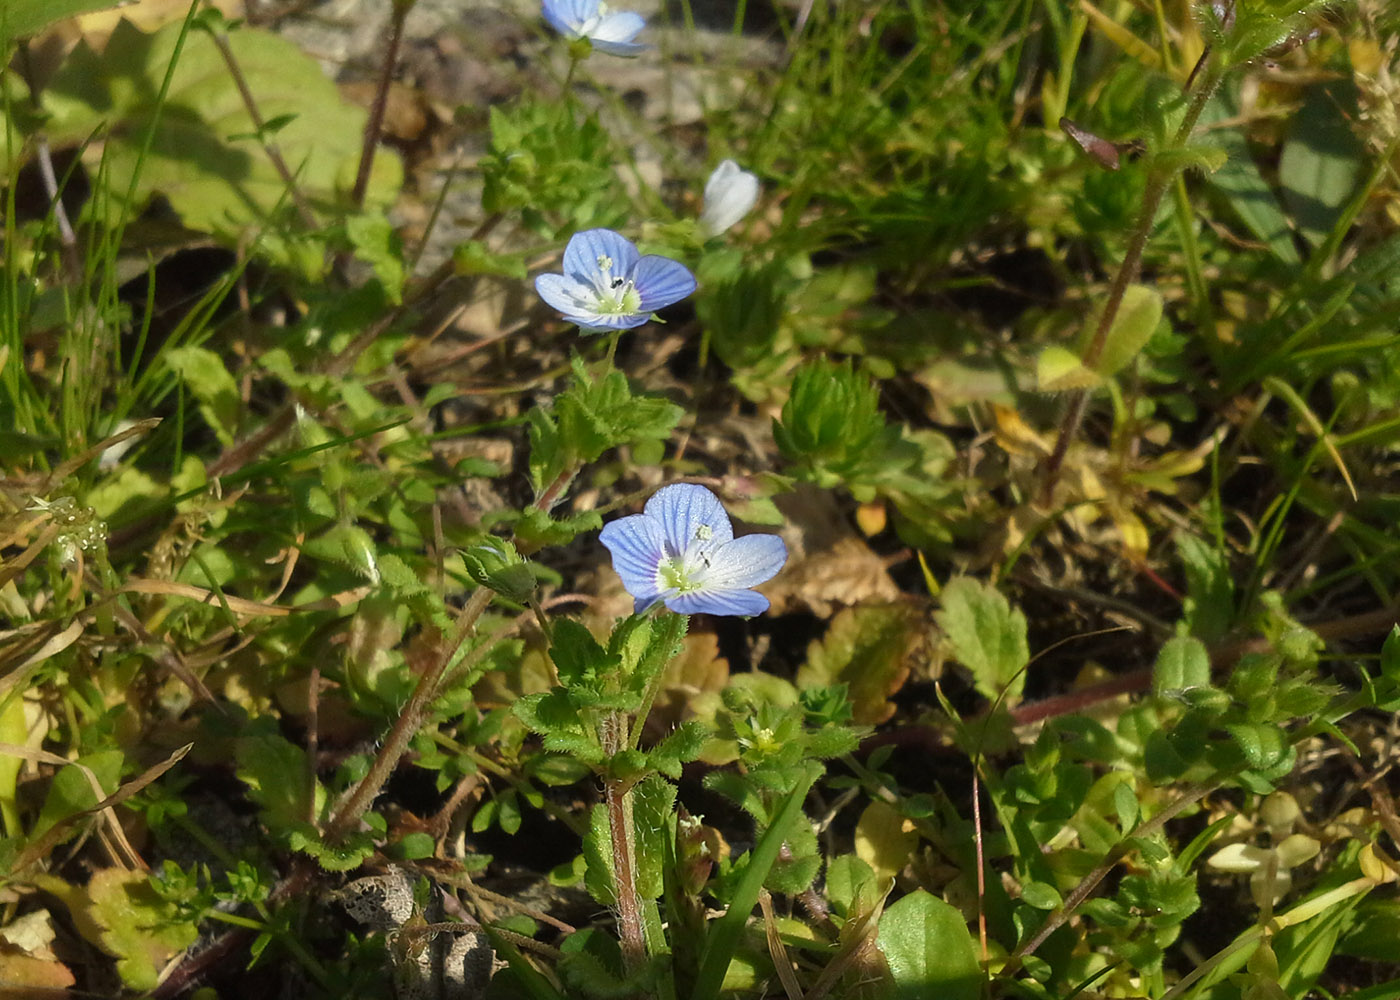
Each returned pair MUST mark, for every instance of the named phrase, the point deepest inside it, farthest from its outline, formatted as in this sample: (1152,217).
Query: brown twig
(274,155)
(374,124)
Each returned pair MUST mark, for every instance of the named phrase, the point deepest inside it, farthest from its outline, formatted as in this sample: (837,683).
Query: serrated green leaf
(378,245)
(987,636)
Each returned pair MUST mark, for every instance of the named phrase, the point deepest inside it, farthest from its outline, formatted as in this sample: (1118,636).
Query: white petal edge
(745,562)
(729,195)
(618,27)
(565,293)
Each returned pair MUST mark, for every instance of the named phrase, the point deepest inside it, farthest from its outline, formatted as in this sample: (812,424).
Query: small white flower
(729,195)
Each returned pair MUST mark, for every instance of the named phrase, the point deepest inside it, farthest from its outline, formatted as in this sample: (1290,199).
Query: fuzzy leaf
(1132,328)
(1182,664)
(654,819)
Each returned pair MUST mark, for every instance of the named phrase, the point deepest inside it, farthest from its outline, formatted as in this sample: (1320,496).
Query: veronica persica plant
(729,195)
(609,30)
(608,285)
(681,550)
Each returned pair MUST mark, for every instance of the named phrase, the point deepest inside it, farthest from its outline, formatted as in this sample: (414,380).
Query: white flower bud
(729,194)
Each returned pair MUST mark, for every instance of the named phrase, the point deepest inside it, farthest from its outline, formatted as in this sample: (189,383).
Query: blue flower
(607,285)
(681,550)
(610,31)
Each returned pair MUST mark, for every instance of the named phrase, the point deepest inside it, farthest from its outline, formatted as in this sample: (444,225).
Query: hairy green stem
(612,732)
(1158,179)
(408,722)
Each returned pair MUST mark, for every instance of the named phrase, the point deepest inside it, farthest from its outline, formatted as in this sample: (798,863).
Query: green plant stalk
(1157,182)
(406,725)
(723,937)
(1253,937)
(676,626)
(624,857)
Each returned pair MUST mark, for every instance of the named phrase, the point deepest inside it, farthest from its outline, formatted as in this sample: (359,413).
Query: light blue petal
(719,602)
(584,249)
(567,16)
(566,294)
(636,544)
(618,26)
(745,562)
(661,281)
(683,510)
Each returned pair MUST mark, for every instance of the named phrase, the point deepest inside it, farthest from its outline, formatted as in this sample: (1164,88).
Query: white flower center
(615,295)
(590,27)
(685,572)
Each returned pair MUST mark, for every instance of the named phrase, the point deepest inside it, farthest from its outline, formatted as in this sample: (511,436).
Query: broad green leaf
(846,877)
(884,838)
(1133,326)
(929,950)
(205,157)
(121,912)
(71,790)
(1244,187)
(576,654)
(378,245)
(1322,160)
(277,775)
(203,373)
(987,636)
(21,18)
